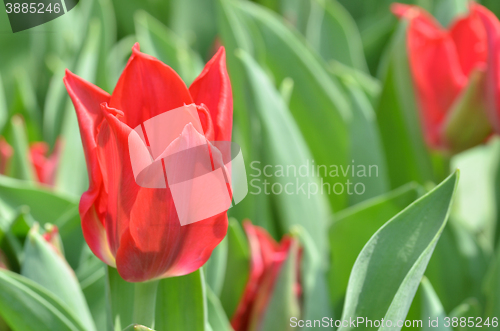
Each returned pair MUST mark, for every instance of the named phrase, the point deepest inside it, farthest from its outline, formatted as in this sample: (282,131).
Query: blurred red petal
(266,258)
(470,40)
(436,70)
(6,152)
(45,165)
(492,28)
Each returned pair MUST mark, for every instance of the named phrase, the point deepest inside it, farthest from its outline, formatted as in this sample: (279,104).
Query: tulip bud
(5,155)
(273,290)
(451,72)
(53,238)
(45,165)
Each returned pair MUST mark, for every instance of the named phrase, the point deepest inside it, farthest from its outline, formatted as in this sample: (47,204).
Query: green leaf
(117,59)
(286,147)
(317,104)
(406,153)
(492,287)
(21,166)
(246,130)
(91,275)
(238,268)
(26,104)
(334,34)
(121,298)
(193,20)
(354,227)
(316,303)
(157,40)
(45,266)
(181,303)
(432,309)
(470,308)
(458,266)
(368,84)
(4,110)
(13,235)
(283,303)
(388,270)
(25,305)
(56,102)
(216,315)
(45,206)
(366,147)
(215,268)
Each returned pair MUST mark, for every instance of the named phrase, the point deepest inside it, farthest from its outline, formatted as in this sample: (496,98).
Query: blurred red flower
(45,165)
(5,155)
(455,71)
(266,260)
(134,228)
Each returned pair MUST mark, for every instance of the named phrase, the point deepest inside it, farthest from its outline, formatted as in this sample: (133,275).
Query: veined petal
(150,241)
(118,178)
(146,88)
(87,98)
(213,88)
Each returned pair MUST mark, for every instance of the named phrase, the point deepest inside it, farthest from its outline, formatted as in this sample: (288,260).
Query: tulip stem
(145,302)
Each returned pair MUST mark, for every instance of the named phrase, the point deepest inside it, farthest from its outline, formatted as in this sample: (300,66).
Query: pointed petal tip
(136,48)
(401,10)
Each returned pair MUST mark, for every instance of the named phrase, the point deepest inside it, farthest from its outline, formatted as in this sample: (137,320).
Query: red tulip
(449,69)
(266,261)
(5,155)
(45,166)
(134,228)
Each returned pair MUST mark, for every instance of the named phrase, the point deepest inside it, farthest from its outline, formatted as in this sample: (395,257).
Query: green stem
(145,302)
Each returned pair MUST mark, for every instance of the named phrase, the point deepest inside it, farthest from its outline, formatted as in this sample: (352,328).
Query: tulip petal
(435,67)
(87,98)
(117,174)
(492,27)
(146,88)
(267,256)
(470,40)
(152,243)
(213,88)
(45,165)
